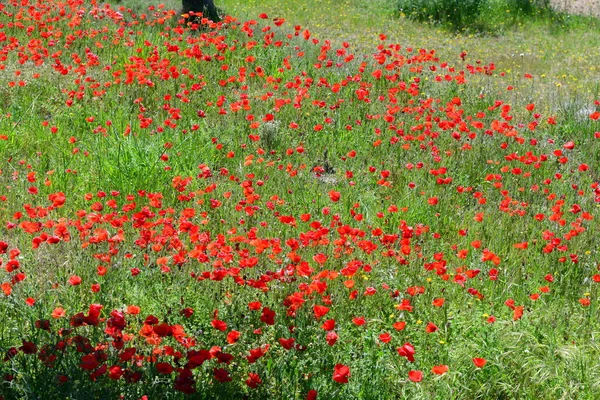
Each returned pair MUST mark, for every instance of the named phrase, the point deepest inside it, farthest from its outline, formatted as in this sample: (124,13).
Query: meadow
(305,200)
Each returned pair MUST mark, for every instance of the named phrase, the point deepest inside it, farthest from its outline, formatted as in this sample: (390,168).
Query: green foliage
(485,16)
(456,15)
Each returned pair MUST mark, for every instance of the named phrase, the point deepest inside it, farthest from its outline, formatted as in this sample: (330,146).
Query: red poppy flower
(438,302)
(74,280)
(415,376)
(385,337)
(268,316)
(127,354)
(584,301)
(233,337)
(331,338)
(164,368)
(320,258)
(329,325)
(334,196)
(253,380)
(184,382)
(58,312)
(218,325)
(133,310)
(320,311)
(431,327)
(98,373)
(341,373)
(254,305)
(221,375)
(89,362)
(404,305)
(407,350)
(400,325)
(287,343)
(6,288)
(257,353)
(517,313)
(439,369)
(479,362)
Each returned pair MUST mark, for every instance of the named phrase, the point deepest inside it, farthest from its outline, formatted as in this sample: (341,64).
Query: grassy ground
(288,209)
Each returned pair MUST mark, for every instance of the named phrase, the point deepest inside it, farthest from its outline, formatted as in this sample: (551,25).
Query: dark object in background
(206,7)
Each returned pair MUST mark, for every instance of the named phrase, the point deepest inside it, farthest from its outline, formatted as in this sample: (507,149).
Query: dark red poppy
(287,343)
(268,316)
(163,368)
(221,375)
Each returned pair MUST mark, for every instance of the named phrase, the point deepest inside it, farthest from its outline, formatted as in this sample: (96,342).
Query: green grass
(322,161)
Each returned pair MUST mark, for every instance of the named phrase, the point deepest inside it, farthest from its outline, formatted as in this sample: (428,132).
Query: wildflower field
(303,200)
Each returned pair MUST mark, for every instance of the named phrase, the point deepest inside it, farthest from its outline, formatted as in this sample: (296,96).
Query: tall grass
(456,15)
